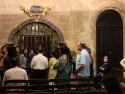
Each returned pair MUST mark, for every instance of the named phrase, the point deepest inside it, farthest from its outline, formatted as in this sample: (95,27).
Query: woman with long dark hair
(111,85)
(32,53)
(59,46)
(70,59)
(62,64)
(4,51)
(11,53)
(25,60)
(3,54)
(8,53)
(104,69)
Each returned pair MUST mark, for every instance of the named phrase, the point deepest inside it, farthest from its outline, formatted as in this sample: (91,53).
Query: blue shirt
(84,58)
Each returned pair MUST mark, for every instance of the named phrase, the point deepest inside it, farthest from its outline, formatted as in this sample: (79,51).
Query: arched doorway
(109,37)
(34,32)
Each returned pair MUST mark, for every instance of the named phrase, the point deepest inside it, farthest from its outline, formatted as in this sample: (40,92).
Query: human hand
(102,69)
(76,75)
(76,71)
(1,54)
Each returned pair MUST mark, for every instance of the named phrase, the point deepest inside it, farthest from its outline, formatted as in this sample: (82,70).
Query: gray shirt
(61,63)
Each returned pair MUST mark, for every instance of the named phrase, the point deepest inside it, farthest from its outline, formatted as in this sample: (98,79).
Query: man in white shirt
(14,73)
(39,64)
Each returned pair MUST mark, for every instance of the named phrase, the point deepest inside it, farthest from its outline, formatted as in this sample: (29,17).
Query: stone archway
(15,30)
(105,5)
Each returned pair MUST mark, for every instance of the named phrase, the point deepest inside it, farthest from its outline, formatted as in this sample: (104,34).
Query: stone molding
(16,30)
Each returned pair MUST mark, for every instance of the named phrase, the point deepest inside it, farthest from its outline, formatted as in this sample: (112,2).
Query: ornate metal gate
(34,34)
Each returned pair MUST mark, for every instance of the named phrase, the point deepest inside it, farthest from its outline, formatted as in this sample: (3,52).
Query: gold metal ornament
(35,10)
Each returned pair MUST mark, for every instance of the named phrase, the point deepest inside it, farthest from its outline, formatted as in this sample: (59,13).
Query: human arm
(50,62)
(25,76)
(21,60)
(56,65)
(77,57)
(47,65)
(82,62)
(6,63)
(4,78)
(122,63)
(72,62)
(106,69)
(1,54)
(91,60)
(32,63)
(80,67)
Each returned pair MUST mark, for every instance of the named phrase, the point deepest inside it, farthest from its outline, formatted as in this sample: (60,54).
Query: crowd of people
(29,65)
(34,63)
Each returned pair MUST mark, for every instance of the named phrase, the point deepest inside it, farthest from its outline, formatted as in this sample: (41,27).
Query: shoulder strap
(64,67)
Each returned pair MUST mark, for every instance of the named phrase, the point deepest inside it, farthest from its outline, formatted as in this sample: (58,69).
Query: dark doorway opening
(109,38)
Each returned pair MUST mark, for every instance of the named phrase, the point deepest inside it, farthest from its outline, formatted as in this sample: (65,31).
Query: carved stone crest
(35,10)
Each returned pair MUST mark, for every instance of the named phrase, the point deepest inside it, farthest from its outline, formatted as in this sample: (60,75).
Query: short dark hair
(107,56)
(4,46)
(17,47)
(55,54)
(27,50)
(41,51)
(88,50)
(62,44)
(112,84)
(11,51)
(33,50)
(64,49)
(82,45)
(14,61)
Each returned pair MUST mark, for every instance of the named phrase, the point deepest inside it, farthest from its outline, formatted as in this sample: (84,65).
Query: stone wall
(75,18)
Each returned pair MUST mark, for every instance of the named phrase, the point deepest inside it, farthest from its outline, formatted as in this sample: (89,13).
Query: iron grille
(35,34)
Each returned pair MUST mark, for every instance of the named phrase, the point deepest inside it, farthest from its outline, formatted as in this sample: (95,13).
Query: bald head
(80,46)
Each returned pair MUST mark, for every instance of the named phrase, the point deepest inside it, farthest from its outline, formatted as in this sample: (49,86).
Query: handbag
(57,75)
